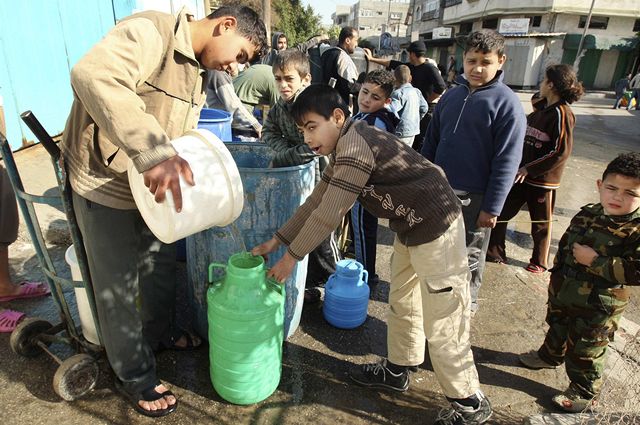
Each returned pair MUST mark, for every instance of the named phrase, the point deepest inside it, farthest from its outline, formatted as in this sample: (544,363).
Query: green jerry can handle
(212,267)
(279,287)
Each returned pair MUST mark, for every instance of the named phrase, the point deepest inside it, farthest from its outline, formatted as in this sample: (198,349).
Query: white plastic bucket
(84,309)
(215,200)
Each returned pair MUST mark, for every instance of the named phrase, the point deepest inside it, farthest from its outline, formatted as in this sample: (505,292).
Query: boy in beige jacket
(138,88)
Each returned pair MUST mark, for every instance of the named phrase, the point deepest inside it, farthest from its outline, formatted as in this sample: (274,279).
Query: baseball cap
(417,47)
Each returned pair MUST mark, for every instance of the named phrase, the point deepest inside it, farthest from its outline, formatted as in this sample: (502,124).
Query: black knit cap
(417,47)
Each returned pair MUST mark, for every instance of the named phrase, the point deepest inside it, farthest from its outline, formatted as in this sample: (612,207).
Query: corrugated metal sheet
(40,40)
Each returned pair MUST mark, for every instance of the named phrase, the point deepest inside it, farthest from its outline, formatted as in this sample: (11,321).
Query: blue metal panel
(39,42)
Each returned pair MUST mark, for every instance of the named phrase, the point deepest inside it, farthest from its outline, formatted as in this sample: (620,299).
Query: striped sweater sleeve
(341,184)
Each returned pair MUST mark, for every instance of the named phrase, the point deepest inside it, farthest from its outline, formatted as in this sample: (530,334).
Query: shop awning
(600,42)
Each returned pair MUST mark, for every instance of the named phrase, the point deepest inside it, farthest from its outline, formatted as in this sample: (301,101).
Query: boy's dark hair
(625,164)
(485,41)
(345,33)
(565,82)
(292,58)
(402,74)
(249,25)
(320,99)
(382,78)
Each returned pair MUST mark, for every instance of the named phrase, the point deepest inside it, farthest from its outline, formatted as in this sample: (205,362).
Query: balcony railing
(448,3)
(432,14)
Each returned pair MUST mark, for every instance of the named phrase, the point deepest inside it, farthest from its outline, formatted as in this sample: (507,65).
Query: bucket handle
(212,267)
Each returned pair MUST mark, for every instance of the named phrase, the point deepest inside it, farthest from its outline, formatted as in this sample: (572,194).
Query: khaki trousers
(429,297)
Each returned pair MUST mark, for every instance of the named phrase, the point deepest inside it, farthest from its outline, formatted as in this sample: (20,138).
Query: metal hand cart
(78,374)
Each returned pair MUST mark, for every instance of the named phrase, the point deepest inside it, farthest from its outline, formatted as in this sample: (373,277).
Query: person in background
(221,95)
(137,89)
(424,75)
(280,43)
(547,147)
(476,136)
(634,86)
(255,87)
(373,102)
(429,290)
(451,71)
(10,291)
(409,104)
(598,258)
(292,75)
(336,63)
(621,87)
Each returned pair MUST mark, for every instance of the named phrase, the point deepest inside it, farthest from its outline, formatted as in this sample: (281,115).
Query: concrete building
(539,32)
(374,17)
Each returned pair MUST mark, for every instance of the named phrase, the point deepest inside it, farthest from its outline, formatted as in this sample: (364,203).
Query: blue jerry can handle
(212,267)
(365,277)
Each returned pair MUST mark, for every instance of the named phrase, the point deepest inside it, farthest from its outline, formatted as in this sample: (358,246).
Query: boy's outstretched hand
(283,268)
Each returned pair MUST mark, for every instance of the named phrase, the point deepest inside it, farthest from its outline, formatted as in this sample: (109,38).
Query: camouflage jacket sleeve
(615,239)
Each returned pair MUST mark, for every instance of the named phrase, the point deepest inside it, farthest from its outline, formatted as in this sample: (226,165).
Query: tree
(288,16)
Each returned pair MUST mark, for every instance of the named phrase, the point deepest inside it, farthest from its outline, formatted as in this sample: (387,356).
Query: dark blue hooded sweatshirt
(476,138)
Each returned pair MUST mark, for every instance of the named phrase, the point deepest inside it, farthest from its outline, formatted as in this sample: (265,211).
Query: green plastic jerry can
(246,329)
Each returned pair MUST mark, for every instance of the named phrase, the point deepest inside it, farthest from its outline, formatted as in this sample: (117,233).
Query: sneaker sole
(380,386)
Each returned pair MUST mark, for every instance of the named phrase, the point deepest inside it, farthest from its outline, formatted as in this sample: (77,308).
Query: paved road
(314,387)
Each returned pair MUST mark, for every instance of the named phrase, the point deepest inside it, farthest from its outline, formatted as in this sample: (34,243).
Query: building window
(490,24)
(536,21)
(465,27)
(365,13)
(597,22)
(636,25)
(448,3)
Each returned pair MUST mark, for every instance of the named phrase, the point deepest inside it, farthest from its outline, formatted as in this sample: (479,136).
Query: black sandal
(149,395)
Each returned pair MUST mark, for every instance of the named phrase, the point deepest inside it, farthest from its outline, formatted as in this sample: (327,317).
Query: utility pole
(266,17)
(579,55)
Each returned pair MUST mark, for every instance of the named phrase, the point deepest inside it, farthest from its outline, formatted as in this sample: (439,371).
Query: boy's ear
(226,23)
(599,184)
(306,80)
(502,60)
(338,116)
(387,101)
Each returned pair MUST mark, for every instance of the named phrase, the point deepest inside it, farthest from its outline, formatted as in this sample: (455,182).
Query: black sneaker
(377,375)
(458,414)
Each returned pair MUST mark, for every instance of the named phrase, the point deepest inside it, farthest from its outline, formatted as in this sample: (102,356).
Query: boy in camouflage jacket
(598,256)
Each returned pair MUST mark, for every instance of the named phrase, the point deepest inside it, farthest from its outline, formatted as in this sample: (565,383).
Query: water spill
(237,237)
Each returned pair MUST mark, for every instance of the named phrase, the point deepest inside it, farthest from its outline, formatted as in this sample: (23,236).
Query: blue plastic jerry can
(346,297)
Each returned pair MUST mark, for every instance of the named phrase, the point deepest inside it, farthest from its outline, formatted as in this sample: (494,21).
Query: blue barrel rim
(267,170)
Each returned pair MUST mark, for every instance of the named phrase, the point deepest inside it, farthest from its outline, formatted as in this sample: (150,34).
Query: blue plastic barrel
(216,121)
(271,196)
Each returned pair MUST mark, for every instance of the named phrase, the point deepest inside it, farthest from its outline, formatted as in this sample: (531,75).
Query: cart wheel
(75,377)
(24,337)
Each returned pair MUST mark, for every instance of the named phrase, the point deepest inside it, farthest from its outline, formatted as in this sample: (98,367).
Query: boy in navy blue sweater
(373,101)
(476,136)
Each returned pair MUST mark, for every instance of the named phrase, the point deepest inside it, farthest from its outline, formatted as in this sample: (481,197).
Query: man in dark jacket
(336,63)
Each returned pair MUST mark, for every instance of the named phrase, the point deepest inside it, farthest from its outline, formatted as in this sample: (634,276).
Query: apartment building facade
(373,17)
(539,32)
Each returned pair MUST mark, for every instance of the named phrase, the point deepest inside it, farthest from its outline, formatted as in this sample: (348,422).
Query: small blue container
(216,121)
(346,296)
